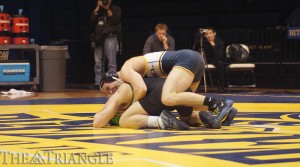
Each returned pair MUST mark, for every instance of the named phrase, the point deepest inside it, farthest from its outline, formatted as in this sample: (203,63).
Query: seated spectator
(160,41)
(213,48)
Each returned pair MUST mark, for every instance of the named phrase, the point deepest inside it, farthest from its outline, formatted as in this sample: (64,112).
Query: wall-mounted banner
(293,32)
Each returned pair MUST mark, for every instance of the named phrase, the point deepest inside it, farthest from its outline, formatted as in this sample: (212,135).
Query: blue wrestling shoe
(208,121)
(171,122)
(222,110)
(232,113)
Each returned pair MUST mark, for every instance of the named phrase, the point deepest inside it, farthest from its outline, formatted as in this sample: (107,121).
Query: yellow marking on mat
(30,129)
(276,157)
(267,107)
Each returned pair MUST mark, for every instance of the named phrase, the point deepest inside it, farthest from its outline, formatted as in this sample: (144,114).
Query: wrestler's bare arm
(132,72)
(122,97)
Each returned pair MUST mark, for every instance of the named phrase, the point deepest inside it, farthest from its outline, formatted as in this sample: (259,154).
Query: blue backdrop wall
(261,24)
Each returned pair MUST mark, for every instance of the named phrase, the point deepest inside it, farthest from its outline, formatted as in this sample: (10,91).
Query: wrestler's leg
(192,120)
(134,117)
(201,118)
(178,81)
(195,118)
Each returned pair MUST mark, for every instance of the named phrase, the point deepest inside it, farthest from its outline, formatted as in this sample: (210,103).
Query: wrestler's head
(110,82)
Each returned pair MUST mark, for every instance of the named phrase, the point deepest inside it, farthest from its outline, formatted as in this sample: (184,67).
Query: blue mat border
(237,98)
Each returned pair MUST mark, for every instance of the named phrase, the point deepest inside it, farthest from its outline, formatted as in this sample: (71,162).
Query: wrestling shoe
(169,122)
(222,109)
(232,113)
(208,121)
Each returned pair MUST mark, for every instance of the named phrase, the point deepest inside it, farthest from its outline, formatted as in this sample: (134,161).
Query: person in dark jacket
(160,41)
(213,48)
(107,18)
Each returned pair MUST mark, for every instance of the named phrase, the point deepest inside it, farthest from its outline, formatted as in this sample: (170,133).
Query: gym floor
(55,129)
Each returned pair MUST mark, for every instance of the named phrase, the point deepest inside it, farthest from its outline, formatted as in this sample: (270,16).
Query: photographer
(213,48)
(107,18)
(160,41)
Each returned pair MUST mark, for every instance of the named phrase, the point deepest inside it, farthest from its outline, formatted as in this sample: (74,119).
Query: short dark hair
(212,29)
(108,77)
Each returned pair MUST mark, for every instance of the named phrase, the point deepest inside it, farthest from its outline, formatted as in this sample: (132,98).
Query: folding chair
(240,67)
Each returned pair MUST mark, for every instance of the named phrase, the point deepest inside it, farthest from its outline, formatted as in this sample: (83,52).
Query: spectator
(160,41)
(213,48)
(107,18)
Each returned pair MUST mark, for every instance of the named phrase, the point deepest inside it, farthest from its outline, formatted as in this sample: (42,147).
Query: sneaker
(232,113)
(222,109)
(208,121)
(171,122)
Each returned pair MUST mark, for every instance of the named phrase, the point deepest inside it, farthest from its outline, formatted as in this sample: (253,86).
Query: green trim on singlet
(132,92)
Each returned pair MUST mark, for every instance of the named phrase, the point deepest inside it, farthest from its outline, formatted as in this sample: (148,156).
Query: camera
(202,30)
(105,2)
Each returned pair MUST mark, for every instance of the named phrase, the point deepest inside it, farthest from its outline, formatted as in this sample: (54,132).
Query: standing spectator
(107,18)
(213,48)
(160,41)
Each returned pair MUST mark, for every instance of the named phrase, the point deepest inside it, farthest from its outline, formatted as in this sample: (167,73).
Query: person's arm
(114,104)
(165,42)
(114,13)
(147,46)
(218,49)
(129,74)
(96,11)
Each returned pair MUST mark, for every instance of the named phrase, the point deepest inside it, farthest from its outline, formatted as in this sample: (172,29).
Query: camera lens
(105,2)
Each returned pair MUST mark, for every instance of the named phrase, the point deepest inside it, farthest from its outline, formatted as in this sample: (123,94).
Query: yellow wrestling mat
(263,135)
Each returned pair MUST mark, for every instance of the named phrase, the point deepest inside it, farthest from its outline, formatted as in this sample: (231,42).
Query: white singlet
(154,66)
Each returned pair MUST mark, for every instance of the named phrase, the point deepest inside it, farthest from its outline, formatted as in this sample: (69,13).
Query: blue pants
(110,53)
